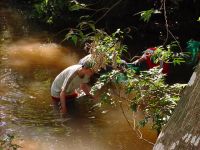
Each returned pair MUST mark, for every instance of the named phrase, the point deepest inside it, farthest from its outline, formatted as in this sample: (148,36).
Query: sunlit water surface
(28,64)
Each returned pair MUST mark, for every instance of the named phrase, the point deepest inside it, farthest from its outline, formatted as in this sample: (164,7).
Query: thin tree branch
(137,131)
(167,26)
(166,23)
(108,11)
(175,40)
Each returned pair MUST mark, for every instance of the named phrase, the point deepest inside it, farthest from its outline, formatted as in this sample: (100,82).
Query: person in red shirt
(147,58)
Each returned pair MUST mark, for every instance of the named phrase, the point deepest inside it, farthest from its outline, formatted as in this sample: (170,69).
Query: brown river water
(28,64)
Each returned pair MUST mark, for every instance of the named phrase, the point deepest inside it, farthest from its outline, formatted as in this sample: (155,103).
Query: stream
(28,64)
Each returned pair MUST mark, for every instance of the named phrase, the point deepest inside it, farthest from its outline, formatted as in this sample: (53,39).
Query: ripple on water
(2,124)
(2,115)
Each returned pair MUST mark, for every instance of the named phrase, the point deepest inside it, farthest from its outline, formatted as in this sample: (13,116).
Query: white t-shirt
(68,80)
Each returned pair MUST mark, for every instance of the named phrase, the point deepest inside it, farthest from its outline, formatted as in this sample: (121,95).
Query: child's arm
(63,102)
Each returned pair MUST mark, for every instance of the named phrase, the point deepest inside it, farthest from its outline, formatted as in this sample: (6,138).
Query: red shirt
(151,64)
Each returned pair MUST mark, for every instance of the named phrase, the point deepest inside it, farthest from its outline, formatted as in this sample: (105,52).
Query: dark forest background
(182,16)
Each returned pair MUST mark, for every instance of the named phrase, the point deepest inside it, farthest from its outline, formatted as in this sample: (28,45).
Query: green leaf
(74,39)
(84,17)
(198,19)
(81,34)
(46,1)
(146,15)
(92,26)
(75,7)
(50,20)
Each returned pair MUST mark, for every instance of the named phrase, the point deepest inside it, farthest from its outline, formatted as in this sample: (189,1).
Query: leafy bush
(123,84)
(147,90)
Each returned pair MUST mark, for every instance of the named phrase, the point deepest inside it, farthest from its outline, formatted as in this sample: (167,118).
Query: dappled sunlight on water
(108,131)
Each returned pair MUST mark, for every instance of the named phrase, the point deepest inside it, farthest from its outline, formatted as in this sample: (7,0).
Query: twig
(98,10)
(138,132)
(166,23)
(176,40)
(167,27)
(161,6)
(108,11)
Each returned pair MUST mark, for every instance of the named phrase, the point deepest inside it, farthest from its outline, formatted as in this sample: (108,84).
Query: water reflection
(28,65)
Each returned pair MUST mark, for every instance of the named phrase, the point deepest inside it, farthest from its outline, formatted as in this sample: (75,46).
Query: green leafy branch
(147,90)
(147,14)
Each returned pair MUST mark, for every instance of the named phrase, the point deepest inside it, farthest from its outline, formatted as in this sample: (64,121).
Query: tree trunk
(182,132)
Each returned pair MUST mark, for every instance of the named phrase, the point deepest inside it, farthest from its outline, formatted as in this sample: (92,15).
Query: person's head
(88,68)
(150,50)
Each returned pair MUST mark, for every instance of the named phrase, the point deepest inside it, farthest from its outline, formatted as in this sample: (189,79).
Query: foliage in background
(146,15)
(57,13)
(113,14)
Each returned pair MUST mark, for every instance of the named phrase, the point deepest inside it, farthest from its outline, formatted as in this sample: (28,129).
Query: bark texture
(182,132)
